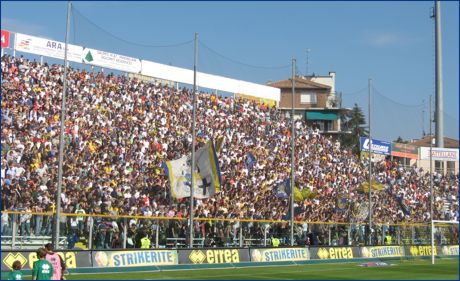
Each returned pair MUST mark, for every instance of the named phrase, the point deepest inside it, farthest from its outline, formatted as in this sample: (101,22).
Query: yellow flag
(219,143)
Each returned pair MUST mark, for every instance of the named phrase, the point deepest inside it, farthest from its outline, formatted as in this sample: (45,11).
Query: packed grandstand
(120,130)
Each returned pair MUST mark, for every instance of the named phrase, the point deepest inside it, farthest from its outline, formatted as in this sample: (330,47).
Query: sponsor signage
(280,254)
(149,79)
(404,150)
(378,146)
(449,250)
(5,39)
(382,251)
(28,258)
(134,258)
(213,256)
(47,47)
(420,251)
(110,60)
(333,253)
(449,154)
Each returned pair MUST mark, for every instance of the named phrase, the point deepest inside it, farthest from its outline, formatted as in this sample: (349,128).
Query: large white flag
(207,174)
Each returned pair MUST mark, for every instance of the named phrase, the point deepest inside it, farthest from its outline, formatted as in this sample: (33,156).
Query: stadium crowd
(119,131)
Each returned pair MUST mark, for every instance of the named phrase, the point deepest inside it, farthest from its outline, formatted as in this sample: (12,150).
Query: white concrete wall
(209,81)
(326,80)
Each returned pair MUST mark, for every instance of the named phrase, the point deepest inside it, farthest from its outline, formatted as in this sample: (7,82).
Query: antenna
(423,119)
(308,53)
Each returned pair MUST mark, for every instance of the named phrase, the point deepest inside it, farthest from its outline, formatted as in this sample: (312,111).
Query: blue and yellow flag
(283,189)
(250,160)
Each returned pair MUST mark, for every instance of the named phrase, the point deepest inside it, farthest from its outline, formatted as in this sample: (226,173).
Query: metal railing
(108,232)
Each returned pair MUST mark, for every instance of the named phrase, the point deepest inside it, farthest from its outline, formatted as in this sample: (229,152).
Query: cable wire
(242,63)
(127,41)
(354,92)
(392,100)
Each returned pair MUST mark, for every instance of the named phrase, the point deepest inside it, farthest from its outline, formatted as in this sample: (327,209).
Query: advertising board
(382,251)
(134,258)
(449,250)
(5,39)
(213,256)
(333,253)
(47,47)
(449,154)
(420,250)
(279,254)
(111,60)
(378,146)
(404,150)
(73,259)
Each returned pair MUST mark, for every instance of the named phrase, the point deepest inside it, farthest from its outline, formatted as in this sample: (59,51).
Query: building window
(308,98)
(439,166)
(451,167)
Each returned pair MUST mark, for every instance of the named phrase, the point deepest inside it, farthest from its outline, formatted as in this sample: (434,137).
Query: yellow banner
(268,102)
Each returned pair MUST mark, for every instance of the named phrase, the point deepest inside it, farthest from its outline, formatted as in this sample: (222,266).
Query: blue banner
(378,146)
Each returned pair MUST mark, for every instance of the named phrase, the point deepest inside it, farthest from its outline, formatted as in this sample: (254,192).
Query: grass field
(401,269)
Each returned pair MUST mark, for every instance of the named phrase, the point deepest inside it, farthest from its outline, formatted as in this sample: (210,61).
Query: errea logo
(197,256)
(11,258)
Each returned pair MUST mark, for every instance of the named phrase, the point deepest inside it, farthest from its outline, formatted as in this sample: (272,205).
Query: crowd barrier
(97,231)
(208,256)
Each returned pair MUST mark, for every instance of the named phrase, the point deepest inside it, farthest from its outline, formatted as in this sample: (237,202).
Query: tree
(400,140)
(354,122)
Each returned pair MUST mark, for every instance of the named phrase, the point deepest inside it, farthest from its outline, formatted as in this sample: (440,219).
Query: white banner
(210,81)
(207,174)
(449,154)
(46,47)
(110,60)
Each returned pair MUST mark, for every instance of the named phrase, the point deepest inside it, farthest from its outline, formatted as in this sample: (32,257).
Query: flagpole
(439,111)
(61,135)
(370,167)
(431,188)
(292,153)
(192,180)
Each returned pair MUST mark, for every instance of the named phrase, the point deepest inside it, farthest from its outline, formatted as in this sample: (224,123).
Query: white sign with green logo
(111,60)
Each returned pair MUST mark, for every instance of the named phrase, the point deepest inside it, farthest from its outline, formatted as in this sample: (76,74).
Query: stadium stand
(119,131)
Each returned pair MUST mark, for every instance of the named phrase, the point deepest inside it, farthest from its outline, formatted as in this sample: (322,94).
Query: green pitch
(402,269)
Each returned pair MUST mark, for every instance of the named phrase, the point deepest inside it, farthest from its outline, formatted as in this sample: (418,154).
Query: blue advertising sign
(378,146)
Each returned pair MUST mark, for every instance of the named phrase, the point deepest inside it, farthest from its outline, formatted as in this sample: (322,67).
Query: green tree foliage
(400,140)
(353,121)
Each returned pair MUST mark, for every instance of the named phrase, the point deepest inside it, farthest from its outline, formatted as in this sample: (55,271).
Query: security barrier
(207,256)
(105,232)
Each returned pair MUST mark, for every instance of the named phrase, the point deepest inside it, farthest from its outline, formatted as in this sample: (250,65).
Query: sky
(390,42)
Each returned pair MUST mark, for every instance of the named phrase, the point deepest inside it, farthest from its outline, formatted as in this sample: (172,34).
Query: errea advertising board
(73,259)
(213,256)
(334,253)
